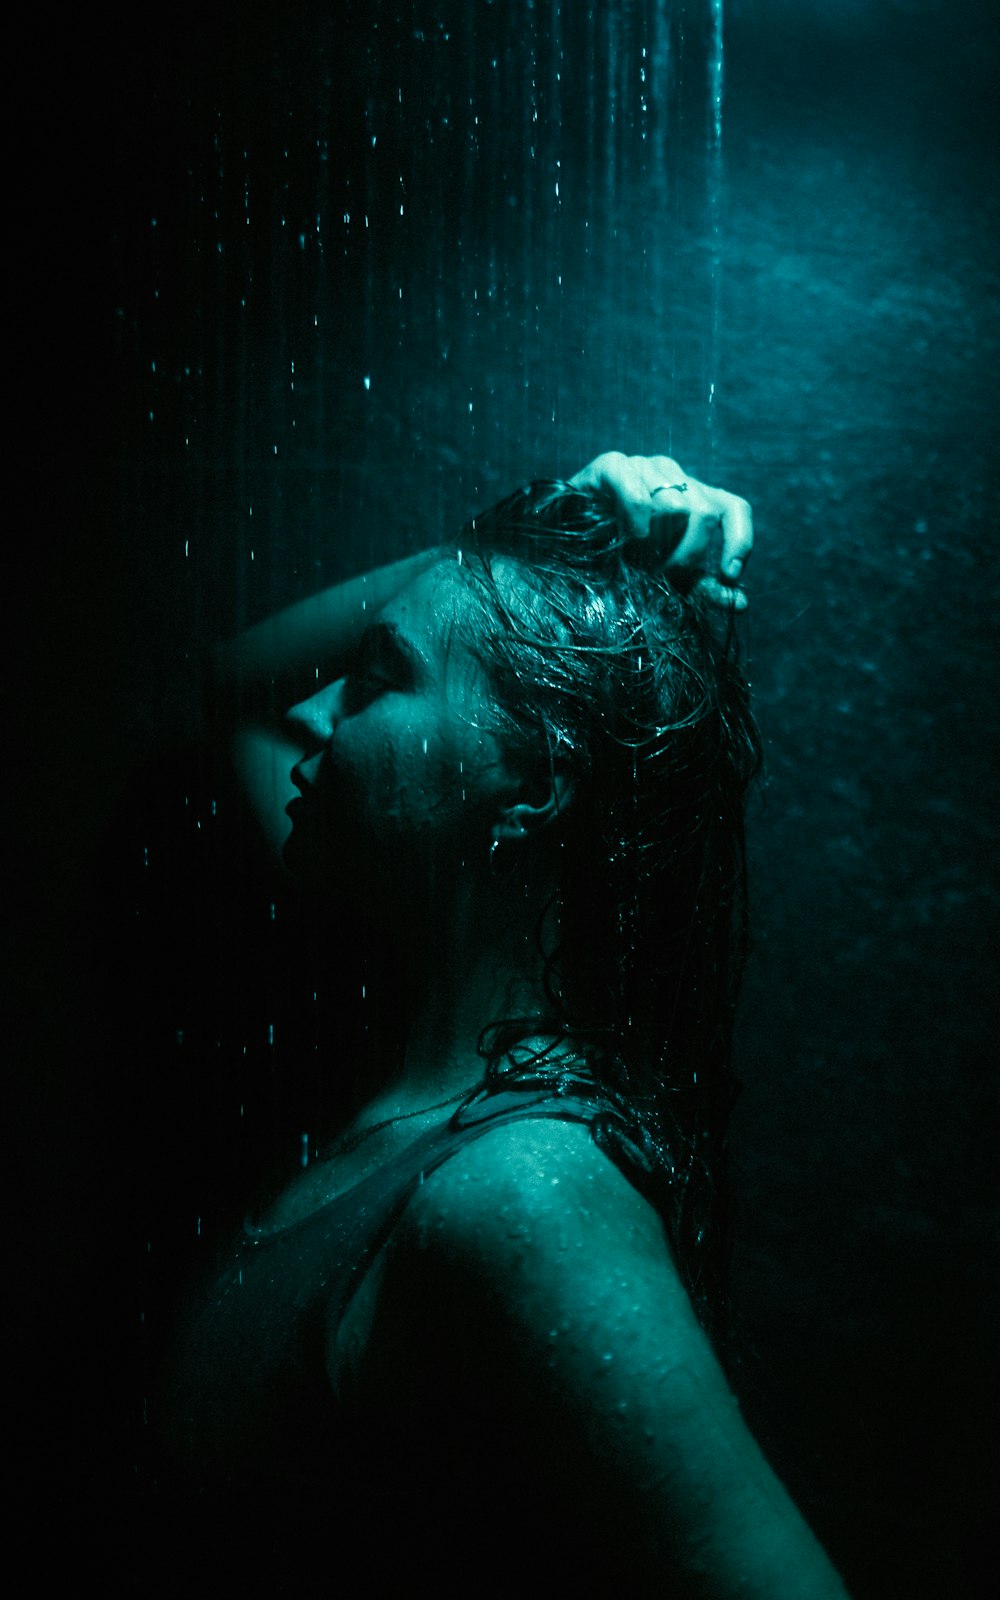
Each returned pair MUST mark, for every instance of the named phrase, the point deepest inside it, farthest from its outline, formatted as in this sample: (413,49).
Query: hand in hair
(706,534)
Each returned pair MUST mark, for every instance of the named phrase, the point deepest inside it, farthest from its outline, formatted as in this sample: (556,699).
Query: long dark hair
(596,659)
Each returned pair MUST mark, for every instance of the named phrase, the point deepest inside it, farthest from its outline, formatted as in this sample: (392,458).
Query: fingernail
(734,566)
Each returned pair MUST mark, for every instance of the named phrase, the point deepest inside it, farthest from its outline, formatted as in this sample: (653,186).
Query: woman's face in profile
(401,772)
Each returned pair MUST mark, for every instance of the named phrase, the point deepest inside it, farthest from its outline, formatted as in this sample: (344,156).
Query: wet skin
(401,772)
(524,1330)
(526,1309)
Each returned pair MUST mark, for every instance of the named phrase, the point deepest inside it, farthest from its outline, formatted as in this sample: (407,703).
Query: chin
(329,874)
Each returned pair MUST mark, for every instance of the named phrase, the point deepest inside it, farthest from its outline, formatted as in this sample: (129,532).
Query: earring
(501,864)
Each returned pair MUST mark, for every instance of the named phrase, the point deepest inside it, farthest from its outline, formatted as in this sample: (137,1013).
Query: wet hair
(597,661)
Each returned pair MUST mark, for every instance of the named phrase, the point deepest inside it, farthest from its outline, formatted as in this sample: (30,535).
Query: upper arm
(530,1287)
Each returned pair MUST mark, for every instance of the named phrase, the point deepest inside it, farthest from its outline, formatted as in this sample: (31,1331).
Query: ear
(540,797)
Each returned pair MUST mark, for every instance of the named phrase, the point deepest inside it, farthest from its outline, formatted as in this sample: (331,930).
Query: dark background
(226,393)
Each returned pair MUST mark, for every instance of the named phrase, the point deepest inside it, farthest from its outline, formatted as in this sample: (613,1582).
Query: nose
(314,721)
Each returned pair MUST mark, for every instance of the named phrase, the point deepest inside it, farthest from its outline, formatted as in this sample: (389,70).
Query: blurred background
(297,290)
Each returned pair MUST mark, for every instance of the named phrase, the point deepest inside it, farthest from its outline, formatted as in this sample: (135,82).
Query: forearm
(262,671)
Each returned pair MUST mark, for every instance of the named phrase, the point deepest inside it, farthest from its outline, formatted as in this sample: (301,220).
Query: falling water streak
(323,215)
(468,256)
(368,221)
(528,312)
(591,265)
(660,66)
(611,168)
(554,179)
(715,66)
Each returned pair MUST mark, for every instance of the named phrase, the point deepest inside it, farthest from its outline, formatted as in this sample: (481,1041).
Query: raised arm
(706,536)
(257,676)
(265,669)
(706,533)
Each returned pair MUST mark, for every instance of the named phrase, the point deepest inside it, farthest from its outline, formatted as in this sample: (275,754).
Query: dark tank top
(258,1432)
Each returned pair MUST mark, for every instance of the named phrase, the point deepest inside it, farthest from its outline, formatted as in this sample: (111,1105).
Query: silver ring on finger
(666,488)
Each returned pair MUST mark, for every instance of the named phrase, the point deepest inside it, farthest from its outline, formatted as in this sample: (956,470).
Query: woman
(471,1344)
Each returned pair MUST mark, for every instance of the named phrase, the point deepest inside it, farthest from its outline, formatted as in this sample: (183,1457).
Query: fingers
(698,529)
(721,594)
(737,534)
(624,478)
(719,535)
(662,474)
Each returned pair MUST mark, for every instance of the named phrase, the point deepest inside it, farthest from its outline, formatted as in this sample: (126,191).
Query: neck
(472,964)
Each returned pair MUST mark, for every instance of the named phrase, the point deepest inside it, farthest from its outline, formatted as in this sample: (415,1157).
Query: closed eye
(362,686)
(382,657)
(380,667)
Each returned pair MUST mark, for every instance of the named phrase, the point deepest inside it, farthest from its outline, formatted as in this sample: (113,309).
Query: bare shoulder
(534,1187)
(529,1246)
(528,1302)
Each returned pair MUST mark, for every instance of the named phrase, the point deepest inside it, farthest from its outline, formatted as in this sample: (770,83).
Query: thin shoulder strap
(379,1201)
